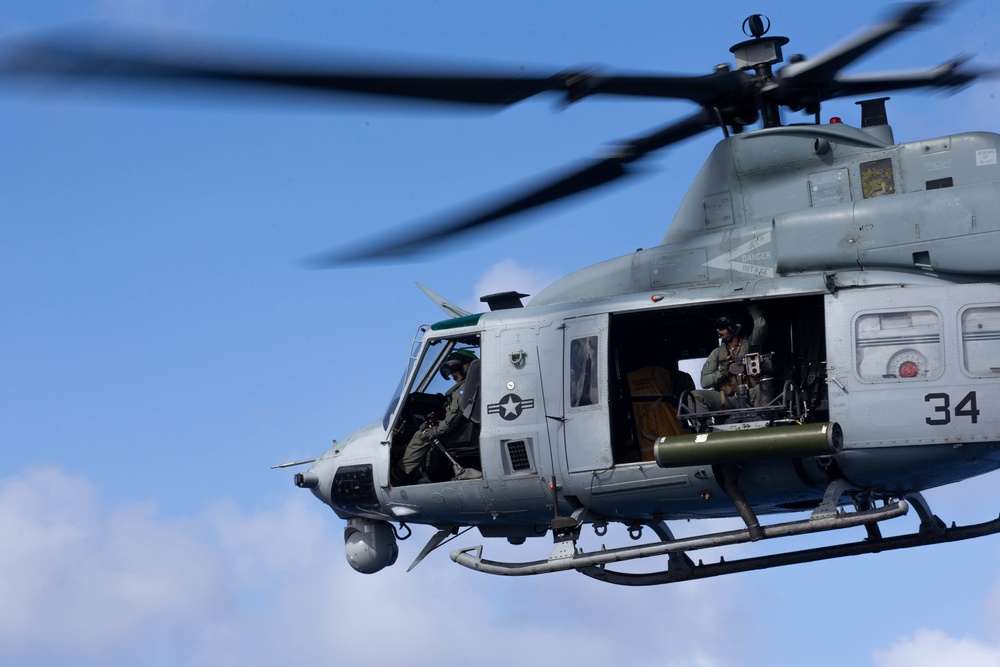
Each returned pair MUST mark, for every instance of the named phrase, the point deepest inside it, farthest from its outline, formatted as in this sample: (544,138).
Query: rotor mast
(759,54)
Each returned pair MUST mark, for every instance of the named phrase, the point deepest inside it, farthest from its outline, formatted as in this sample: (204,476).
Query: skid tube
(565,556)
(684,569)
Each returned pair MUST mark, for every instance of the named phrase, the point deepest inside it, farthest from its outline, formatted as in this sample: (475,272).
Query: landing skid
(566,556)
(683,569)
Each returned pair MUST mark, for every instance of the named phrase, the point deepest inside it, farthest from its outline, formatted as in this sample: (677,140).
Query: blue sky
(160,347)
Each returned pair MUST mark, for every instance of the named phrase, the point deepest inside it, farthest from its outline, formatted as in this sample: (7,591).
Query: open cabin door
(585,380)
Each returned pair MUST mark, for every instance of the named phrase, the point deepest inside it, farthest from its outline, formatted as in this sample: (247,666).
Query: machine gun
(753,370)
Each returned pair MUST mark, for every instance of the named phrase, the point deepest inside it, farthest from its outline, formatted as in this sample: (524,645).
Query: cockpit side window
(583,372)
(428,379)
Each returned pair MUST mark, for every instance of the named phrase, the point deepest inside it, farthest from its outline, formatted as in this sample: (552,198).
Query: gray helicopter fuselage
(876,266)
(900,434)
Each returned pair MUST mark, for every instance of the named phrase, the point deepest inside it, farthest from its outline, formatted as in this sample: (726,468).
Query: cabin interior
(657,355)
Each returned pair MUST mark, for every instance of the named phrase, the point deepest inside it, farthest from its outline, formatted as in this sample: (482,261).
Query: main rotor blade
(707,90)
(942,76)
(825,66)
(491,88)
(592,174)
(189,68)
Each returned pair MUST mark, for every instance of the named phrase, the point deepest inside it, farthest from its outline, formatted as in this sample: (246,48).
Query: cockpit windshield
(428,379)
(414,354)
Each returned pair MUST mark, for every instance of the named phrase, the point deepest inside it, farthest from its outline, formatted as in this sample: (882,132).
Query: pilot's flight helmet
(726,323)
(456,361)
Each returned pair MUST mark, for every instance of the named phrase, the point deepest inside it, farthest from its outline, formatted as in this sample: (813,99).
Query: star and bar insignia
(510,406)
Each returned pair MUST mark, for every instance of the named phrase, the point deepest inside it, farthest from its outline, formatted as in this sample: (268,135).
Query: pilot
(715,373)
(411,466)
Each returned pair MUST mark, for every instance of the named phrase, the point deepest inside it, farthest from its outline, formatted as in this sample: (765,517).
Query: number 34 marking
(965,408)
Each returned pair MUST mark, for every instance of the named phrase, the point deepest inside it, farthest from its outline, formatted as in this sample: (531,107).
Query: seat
(470,404)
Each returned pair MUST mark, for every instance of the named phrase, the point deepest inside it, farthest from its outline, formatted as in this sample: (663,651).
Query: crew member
(411,466)
(715,374)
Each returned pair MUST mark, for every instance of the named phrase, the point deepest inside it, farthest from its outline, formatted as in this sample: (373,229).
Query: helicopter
(871,264)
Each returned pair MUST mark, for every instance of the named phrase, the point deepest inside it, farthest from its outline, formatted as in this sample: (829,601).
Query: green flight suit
(715,372)
(420,443)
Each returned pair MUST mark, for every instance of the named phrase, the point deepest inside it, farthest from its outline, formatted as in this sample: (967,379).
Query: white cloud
(508,275)
(932,648)
(85,582)
(92,581)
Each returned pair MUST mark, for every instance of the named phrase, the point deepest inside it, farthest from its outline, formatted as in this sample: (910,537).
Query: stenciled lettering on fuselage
(750,258)
(510,406)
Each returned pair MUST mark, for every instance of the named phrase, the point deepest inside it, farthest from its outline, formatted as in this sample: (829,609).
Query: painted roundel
(907,364)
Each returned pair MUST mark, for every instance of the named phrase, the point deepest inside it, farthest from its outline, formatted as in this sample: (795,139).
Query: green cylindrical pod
(780,442)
